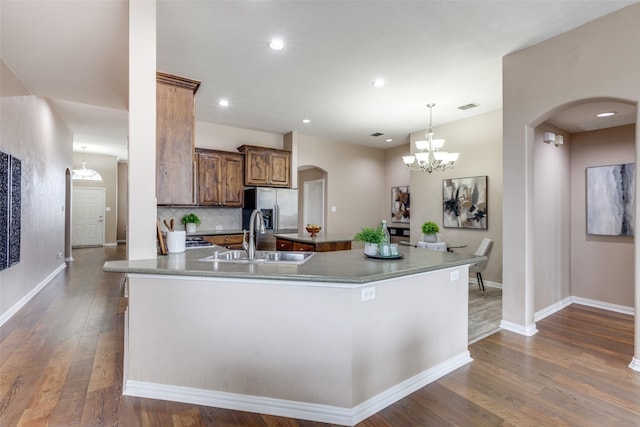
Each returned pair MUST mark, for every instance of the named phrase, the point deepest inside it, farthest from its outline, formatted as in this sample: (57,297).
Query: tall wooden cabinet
(266,167)
(220,178)
(175,122)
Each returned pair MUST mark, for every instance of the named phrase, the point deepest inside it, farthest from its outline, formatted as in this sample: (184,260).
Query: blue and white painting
(610,200)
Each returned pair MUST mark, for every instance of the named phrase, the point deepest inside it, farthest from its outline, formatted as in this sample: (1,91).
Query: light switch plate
(454,275)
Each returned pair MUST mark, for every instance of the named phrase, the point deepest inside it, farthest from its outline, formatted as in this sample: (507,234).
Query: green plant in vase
(371,238)
(191,221)
(429,231)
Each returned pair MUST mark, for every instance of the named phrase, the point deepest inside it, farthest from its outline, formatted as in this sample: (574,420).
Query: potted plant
(191,221)
(429,230)
(371,238)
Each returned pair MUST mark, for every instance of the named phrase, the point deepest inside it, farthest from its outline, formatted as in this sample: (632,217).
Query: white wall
(592,62)
(141,220)
(31,131)
(107,167)
(479,141)
(228,138)
(601,266)
(552,218)
(355,182)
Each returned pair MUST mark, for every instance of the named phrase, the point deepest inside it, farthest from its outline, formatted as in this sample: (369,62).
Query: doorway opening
(88,217)
(67,216)
(313,185)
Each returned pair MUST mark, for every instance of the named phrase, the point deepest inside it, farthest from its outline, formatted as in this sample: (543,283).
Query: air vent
(468,106)
(377,134)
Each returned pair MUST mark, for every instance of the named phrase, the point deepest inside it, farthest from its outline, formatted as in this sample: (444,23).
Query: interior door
(314,204)
(87,216)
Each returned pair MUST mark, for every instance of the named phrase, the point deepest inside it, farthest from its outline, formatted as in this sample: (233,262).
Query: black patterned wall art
(464,202)
(4,210)
(10,210)
(15,211)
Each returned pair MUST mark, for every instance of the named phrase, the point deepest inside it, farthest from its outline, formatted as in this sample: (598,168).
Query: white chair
(483,250)
(438,246)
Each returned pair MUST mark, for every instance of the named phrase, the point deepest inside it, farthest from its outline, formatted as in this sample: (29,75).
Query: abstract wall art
(10,210)
(4,210)
(610,200)
(400,204)
(464,202)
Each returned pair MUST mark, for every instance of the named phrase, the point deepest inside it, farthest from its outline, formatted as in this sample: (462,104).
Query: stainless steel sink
(284,256)
(267,257)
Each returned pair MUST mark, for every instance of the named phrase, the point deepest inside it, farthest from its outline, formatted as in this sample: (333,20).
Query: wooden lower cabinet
(284,245)
(304,247)
(290,245)
(231,241)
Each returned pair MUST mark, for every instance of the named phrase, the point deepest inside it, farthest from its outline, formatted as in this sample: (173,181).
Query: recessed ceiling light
(223,103)
(389,140)
(606,114)
(378,83)
(276,44)
(306,121)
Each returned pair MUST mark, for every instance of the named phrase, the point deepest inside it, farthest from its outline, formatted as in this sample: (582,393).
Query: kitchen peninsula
(335,339)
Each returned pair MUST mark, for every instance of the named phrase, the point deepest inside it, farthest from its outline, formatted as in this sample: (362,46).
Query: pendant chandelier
(429,157)
(84,173)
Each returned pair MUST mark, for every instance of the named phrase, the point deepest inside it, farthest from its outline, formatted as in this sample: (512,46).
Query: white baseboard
(519,329)
(546,312)
(293,409)
(110,244)
(604,305)
(635,364)
(539,315)
(33,292)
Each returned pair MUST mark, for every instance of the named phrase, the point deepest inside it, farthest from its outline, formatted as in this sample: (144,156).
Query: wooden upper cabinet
(220,178)
(175,142)
(266,167)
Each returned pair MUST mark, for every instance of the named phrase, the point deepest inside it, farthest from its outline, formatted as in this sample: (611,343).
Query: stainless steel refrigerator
(279,208)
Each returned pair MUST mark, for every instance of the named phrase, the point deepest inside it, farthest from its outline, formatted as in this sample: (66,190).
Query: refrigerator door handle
(276,214)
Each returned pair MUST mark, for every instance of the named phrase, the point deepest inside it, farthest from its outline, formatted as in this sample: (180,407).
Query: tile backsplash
(211,218)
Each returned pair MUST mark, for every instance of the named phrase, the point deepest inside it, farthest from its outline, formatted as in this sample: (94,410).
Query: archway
(313,186)
(570,265)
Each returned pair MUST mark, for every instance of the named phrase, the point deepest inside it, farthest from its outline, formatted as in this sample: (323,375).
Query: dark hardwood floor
(61,365)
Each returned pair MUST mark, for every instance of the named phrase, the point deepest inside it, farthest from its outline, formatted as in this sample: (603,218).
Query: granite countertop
(319,238)
(331,268)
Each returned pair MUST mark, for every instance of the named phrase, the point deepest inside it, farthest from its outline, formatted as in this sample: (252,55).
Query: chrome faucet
(251,246)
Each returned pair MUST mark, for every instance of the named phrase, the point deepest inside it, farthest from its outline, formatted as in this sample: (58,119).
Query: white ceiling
(446,52)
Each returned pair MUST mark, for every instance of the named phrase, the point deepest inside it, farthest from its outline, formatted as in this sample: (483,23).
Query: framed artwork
(400,204)
(610,200)
(15,210)
(4,210)
(464,202)
(10,210)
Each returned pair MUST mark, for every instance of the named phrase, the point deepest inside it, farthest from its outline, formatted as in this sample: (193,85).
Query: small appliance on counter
(279,208)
